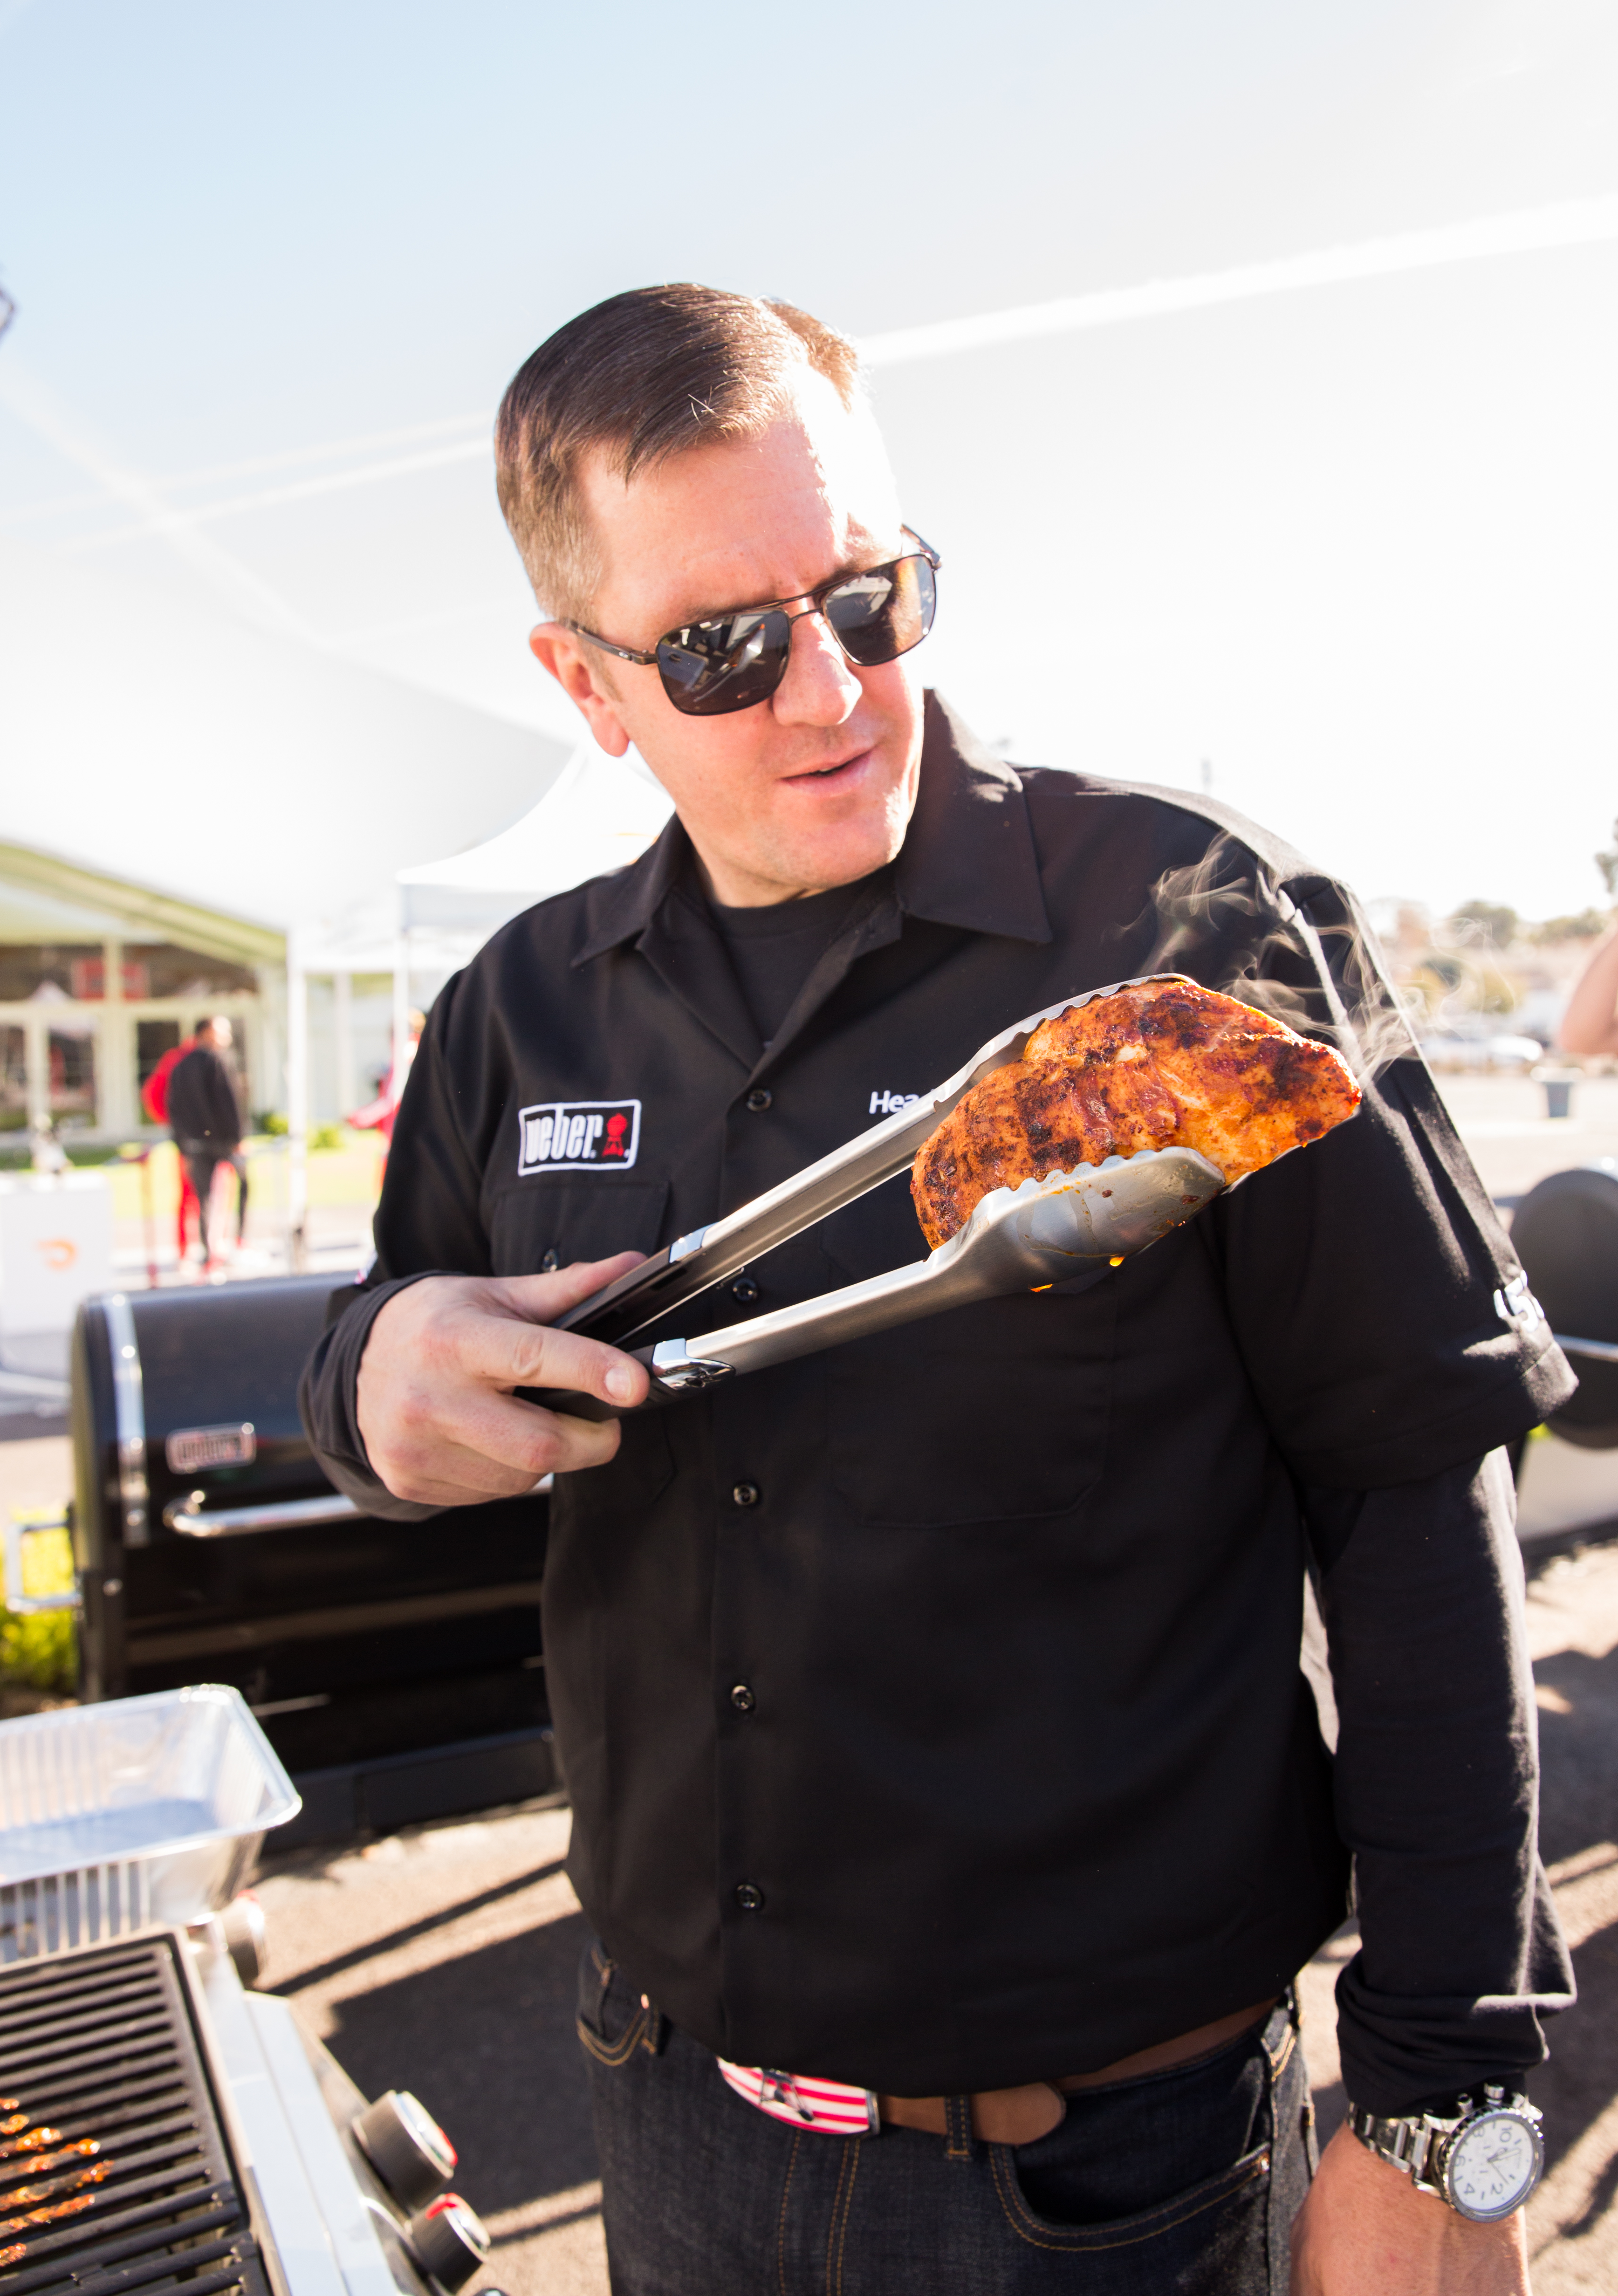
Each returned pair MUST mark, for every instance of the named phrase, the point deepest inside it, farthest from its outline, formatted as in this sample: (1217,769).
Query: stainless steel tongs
(1016,1239)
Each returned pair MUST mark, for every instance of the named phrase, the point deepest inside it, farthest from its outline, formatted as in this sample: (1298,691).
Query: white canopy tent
(154,737)
(599,814)
(156,741)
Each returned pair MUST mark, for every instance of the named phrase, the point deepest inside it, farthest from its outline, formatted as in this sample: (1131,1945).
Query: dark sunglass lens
(880,615)
(729,663)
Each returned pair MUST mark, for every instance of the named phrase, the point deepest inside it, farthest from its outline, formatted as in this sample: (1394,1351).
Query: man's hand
(439,1421)
(1366,2231)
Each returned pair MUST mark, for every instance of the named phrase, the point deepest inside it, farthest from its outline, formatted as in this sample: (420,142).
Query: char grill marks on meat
(1160,1064)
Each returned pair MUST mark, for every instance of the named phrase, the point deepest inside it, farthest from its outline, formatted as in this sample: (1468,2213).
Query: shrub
(38,1650)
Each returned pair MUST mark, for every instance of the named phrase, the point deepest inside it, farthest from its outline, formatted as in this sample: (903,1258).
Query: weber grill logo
(189,1449)
(578,1136)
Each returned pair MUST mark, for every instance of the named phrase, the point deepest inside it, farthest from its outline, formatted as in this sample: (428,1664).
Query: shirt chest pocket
(985,1414)
(550,1221)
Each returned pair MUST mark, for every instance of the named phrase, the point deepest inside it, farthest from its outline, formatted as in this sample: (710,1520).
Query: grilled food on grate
(1165,1064)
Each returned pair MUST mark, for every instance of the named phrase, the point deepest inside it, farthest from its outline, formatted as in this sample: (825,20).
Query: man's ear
(577,671)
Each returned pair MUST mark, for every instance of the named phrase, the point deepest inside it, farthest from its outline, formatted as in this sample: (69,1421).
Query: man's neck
(729,888)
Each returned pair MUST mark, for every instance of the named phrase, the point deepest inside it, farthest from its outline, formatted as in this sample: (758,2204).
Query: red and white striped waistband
(831,2108)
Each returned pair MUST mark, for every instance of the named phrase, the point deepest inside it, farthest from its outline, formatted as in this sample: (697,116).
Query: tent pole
(342,1029)
(401,1004)
(297,1104)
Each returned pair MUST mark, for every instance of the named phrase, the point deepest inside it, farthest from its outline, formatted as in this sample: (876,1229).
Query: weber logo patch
(578,1136)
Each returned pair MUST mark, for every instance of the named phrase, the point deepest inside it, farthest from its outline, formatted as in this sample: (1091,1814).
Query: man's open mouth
(828,773)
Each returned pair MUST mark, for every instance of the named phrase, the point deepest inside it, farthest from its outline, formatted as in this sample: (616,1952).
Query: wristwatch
(1485,2158)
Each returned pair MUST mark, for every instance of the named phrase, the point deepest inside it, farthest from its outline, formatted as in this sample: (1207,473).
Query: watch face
(1494,2164)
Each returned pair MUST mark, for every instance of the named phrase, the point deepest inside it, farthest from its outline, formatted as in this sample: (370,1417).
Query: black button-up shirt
(1025,1775)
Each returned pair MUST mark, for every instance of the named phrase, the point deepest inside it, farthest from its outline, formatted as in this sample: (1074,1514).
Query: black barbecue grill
(117,2173)
(1566,1233)
(396,1667)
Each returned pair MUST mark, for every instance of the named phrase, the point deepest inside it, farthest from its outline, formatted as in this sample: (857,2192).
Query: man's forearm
(1436,1788)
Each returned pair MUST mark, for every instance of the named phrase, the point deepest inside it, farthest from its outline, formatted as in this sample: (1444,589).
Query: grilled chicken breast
(1167,1064)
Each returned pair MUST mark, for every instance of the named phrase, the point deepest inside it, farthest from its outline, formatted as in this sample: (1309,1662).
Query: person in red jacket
(379,1115)
(154,1100)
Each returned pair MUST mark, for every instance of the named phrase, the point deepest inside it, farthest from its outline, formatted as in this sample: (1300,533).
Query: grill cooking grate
(114,2173)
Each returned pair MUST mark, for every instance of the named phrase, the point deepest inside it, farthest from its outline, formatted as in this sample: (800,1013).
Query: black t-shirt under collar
(773,949)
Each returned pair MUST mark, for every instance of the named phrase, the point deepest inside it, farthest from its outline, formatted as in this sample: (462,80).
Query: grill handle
(194,1522)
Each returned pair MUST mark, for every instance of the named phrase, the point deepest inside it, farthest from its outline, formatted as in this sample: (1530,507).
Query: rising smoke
(1303,953)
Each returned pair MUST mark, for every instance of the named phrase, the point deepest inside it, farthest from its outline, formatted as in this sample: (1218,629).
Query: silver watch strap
(1407,2143)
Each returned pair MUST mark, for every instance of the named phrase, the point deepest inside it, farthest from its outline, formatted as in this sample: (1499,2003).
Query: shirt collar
(968,856)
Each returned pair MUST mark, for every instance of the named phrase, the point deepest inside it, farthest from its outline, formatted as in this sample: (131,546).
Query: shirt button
(742,1698)
(747,1495)
(744,1289)
(750,1896)
(758,1099)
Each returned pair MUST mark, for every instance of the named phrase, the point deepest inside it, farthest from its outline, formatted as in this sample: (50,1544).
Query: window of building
(71,1052)
(28,966)
(174,972)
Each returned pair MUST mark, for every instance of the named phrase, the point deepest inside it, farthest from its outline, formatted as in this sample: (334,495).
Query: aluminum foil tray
(139,1814)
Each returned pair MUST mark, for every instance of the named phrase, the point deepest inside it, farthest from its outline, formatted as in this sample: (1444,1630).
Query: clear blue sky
(1352,545)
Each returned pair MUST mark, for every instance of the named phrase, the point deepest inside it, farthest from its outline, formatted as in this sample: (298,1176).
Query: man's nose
(819,687)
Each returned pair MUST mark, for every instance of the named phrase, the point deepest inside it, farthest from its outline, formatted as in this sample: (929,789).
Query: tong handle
(643,1294)
(693,1263)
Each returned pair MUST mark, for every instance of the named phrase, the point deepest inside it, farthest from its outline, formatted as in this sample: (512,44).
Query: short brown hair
(644,376)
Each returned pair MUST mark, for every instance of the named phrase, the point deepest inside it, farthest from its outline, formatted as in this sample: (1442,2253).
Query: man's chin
(817,864)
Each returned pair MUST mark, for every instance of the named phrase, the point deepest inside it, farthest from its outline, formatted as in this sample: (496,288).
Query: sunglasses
(735,660)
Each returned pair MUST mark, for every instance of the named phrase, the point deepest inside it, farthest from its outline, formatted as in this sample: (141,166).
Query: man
(205,1115)
(931,1709)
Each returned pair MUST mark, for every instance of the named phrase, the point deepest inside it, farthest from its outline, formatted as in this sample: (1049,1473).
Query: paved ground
(442,1961)
(1503,1122)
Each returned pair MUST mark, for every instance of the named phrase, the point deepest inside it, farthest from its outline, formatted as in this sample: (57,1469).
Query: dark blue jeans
(1185,2180)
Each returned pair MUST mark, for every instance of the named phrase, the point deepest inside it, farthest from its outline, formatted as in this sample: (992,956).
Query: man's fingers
(524,1438)
(509,1353)
(492,1447)
(435,1408)
(541,1298)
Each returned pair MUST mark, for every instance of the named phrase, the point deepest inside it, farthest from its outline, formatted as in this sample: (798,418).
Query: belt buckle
(830,2108)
